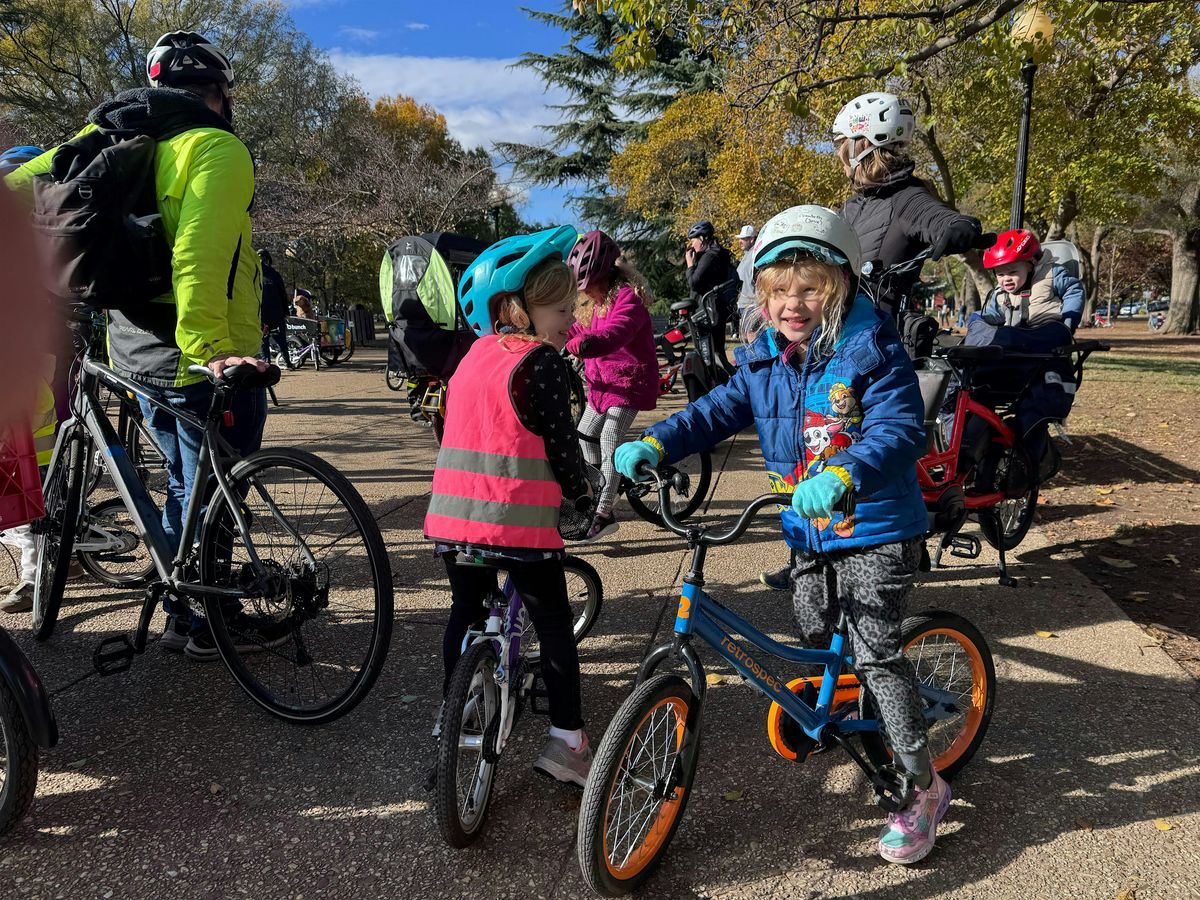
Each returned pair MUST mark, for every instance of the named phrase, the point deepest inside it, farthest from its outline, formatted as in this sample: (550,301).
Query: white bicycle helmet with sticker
(882,119)
(813,230)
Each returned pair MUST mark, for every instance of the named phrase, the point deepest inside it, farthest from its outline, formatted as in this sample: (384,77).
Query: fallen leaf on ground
(733,795)
(409,698)
(1171,557)
(1127,542)
(1127,894)
(1107,501)
(1104,490)
(1115,563)
(1084,824)
(1163,824)
(714,678)
(1046,634)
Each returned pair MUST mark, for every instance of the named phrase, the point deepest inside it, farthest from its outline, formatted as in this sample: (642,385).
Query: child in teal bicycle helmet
(838,411)
(509,462)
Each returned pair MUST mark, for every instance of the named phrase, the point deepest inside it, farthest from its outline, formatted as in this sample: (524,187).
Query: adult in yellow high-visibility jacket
(204,184)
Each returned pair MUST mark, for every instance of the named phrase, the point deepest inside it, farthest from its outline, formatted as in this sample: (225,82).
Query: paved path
(168,782)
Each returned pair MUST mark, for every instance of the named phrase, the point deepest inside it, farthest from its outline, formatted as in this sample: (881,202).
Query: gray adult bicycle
(278,549)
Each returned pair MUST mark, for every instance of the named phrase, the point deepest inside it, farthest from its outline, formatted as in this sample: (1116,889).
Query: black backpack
(97,211)
(917,333)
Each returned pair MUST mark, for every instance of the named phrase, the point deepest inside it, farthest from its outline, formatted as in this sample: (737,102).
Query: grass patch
(1165,370)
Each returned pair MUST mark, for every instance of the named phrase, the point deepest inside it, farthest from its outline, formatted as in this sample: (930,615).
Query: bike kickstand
(1006,580)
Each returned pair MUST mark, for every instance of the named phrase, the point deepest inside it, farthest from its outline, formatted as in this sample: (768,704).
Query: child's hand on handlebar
(630,455)
(816,497)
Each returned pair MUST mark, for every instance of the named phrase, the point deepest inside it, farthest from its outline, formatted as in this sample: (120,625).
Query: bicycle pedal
(893,789)
(965,546)
(113,656)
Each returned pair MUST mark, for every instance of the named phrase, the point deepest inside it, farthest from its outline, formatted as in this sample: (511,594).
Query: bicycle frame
(947,460)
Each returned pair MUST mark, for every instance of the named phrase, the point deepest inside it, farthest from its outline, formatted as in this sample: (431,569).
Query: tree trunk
(1183,316)
(1091,270)
(981,279)
(1068,209)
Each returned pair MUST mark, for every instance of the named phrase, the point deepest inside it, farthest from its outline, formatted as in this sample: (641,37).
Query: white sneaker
(19,599)
(561,763)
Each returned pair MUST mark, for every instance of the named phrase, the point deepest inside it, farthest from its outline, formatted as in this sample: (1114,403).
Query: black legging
(543,588)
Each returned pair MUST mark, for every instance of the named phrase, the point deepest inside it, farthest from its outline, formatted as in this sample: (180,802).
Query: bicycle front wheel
(466,757)
(697,478)
(585,593)
(639,787)
(18,761)
(311,632)
(56,534)
(950,656)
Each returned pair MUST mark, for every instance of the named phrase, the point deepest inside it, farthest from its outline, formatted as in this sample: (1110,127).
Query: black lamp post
(1033,32)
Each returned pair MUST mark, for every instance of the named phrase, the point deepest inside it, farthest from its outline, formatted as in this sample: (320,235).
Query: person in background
(708,265)
(274,310)
(747,303)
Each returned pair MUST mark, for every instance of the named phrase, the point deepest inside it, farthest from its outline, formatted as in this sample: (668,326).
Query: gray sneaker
(175,635)
(779,580)
(560,762)
(19,599)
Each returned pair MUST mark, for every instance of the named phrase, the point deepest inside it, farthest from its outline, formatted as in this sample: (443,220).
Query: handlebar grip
(847,504)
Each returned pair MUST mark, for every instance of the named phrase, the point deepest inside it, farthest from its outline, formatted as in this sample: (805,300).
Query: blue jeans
(180,444)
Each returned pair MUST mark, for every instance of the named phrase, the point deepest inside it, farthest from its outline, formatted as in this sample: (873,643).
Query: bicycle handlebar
(703,535)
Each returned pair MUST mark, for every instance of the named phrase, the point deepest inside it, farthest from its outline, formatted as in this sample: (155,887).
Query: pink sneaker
(909,834)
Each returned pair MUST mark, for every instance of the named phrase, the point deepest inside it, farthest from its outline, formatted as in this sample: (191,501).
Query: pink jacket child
(620,361)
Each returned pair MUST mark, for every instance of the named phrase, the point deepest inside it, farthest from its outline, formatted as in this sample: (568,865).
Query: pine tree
(606,109)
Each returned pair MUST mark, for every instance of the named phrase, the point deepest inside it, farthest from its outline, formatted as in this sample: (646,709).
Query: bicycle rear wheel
(1014,473)
(466,758)
(127,561)
(639,787)
(697,472)
(56,533)
(948,654)
(308,641)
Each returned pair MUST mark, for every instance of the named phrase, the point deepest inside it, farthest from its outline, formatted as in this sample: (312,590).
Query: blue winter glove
(815,497)
(631,454)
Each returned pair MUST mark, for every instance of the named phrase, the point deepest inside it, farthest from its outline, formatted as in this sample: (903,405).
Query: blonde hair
(875,167)
(830,280)
(548,283)
(624,273)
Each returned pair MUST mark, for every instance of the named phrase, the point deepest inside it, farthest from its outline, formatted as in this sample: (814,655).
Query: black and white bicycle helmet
(882,119)
(185,57)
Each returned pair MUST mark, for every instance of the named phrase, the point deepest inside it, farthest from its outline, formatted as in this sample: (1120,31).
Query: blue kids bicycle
(642,774)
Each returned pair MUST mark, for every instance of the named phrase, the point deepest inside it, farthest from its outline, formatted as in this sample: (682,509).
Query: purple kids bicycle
(495,679)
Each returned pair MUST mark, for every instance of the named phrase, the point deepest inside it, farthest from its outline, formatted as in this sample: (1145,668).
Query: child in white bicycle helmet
(838,412)
(508,462)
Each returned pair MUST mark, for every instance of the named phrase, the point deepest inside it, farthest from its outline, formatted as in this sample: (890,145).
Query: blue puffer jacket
(859,409)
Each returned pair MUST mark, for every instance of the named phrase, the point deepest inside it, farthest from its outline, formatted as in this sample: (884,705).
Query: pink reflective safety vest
(493,485)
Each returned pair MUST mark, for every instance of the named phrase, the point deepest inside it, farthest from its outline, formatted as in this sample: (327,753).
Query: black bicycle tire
(349,350)
(873,742)
(582,626)
(48,603)
(88,560)
(393,379)
(21,758)
(699,495)
(989,519)
(445,803)
(605,767)
(331,356)
(377,554)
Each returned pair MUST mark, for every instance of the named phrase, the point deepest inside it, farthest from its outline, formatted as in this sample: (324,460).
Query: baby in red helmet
(1030,289)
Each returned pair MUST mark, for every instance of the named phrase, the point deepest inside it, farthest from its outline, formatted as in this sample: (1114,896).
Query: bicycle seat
(245,375)
(1087,347)
(988,353)
(680,305)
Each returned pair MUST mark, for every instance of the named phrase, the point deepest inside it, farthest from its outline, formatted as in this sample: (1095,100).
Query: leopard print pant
(871,584)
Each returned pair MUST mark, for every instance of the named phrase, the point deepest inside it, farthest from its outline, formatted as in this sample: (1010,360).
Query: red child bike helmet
(592,258)
(1012,246)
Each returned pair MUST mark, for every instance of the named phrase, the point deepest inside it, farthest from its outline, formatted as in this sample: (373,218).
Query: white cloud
(363,35)
(416,26)
(483,100)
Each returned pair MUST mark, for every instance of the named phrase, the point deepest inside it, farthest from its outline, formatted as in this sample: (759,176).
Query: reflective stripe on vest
(493,485)
(45,423)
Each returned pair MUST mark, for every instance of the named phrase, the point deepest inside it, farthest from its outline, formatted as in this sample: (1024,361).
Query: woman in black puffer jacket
(894,213)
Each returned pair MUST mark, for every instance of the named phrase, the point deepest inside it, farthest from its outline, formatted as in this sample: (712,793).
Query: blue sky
(454,55)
